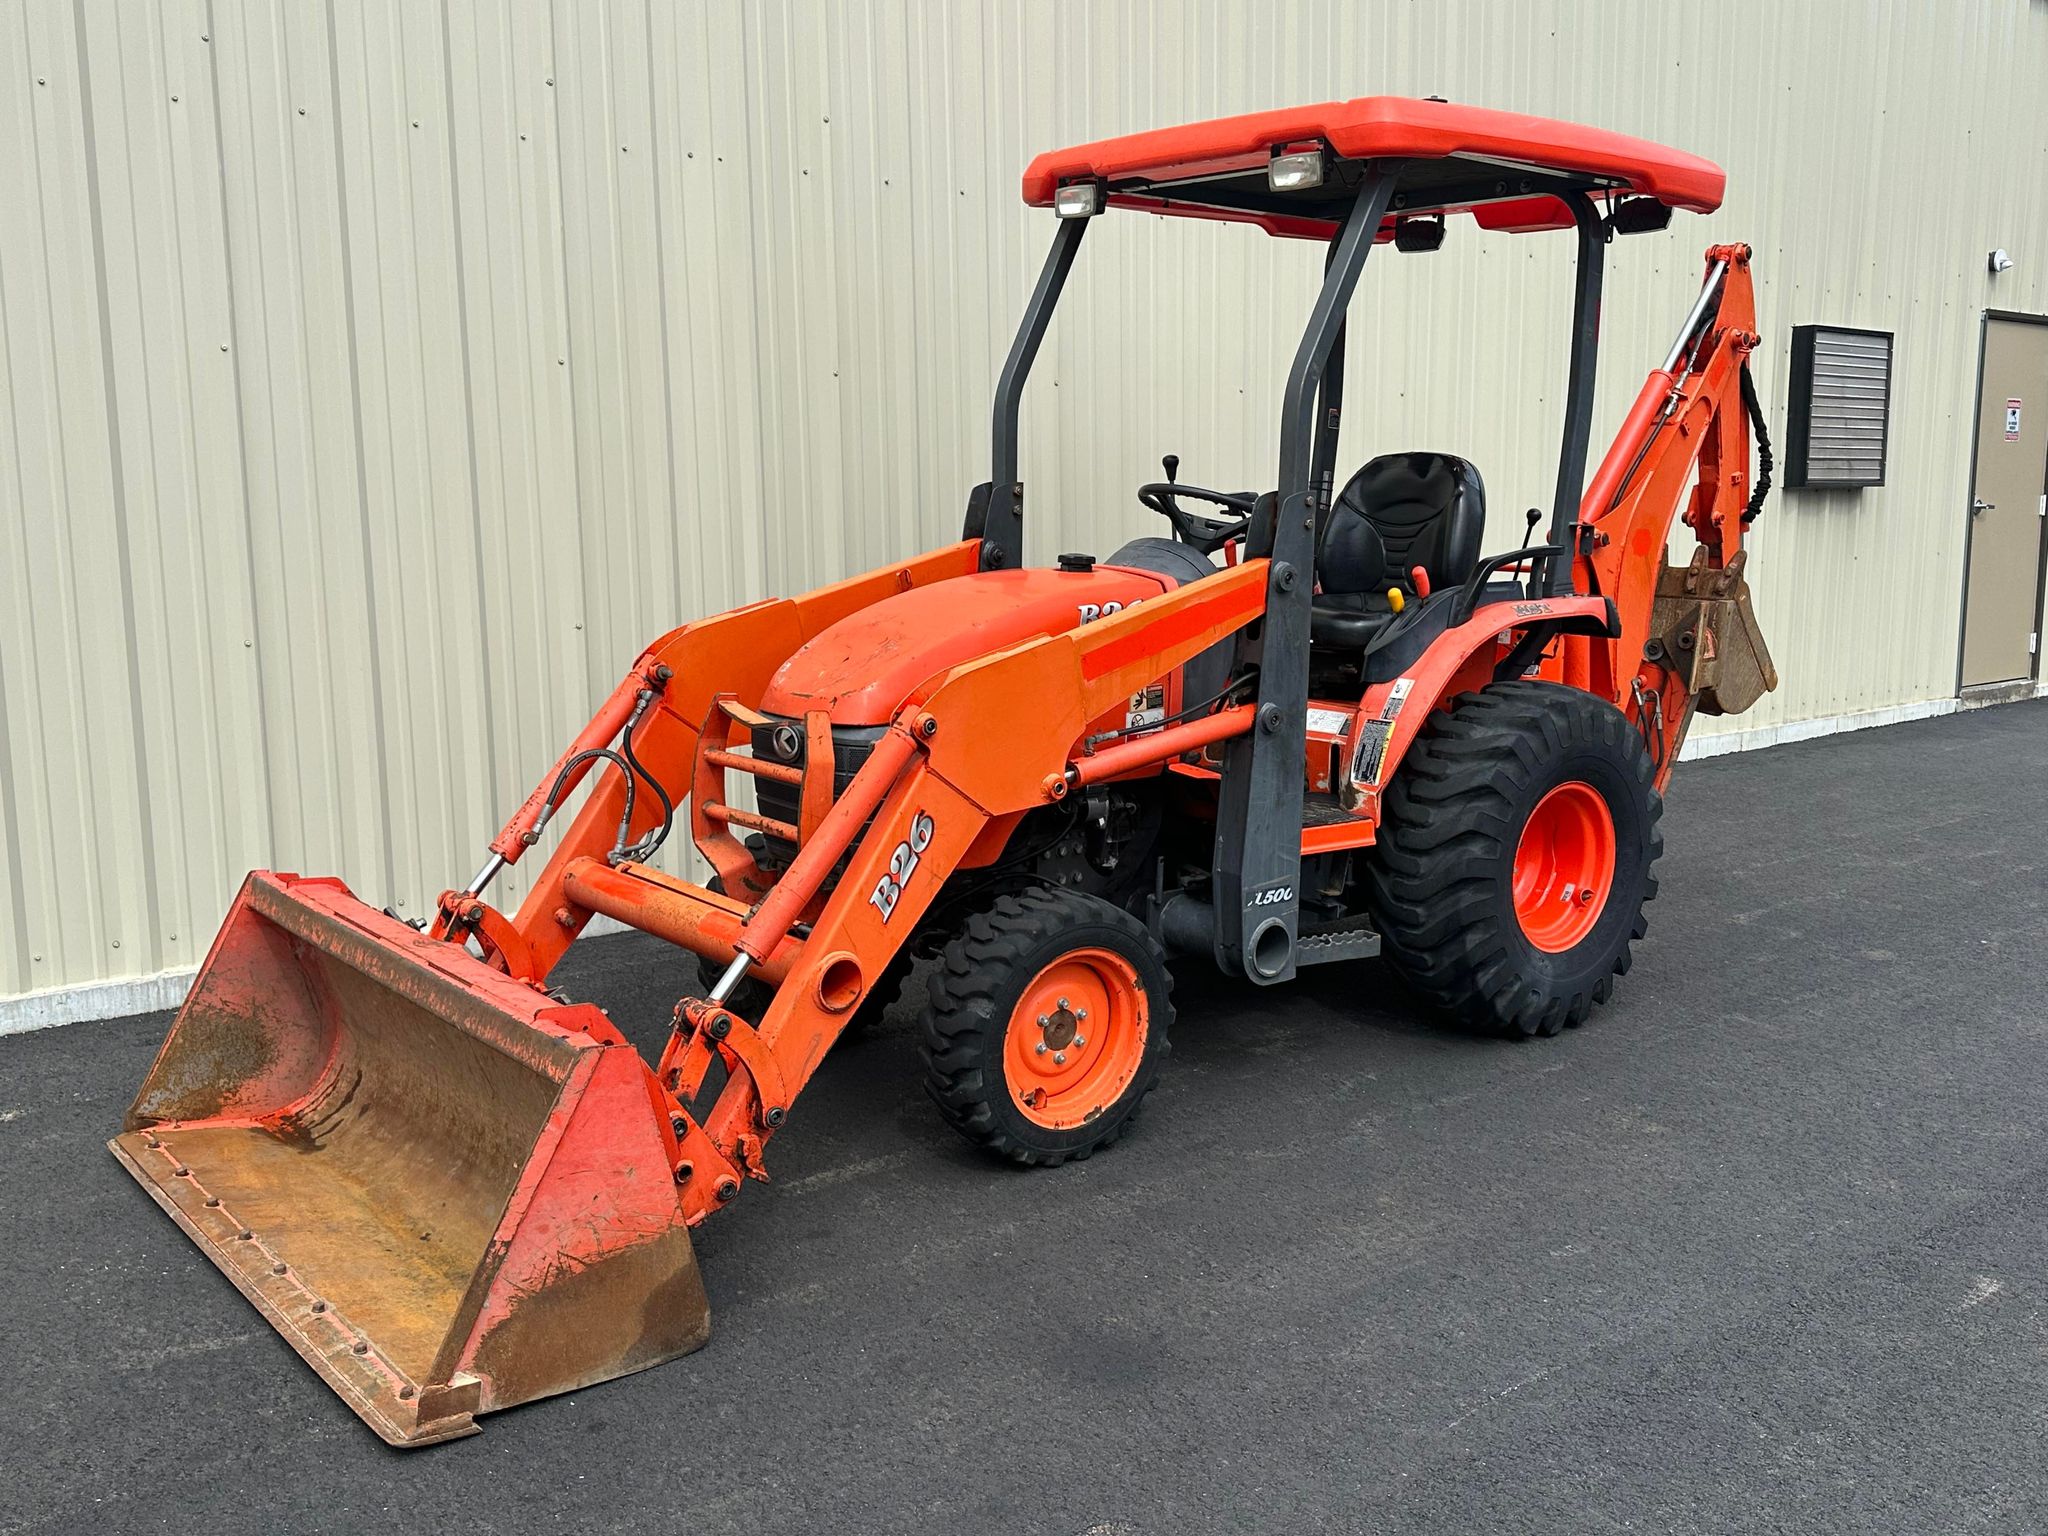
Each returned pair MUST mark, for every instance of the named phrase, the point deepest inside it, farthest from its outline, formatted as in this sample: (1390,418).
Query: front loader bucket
(448,1192)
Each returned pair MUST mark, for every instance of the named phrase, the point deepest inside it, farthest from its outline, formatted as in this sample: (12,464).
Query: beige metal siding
(376,378)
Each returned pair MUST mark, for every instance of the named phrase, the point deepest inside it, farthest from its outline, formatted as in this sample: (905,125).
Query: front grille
(851,745)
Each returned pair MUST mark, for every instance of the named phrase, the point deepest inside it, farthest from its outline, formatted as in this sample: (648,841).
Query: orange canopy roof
(1376,128)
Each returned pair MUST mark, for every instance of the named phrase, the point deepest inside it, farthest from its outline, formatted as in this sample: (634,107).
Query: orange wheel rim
(1076,1038)
(1564,866)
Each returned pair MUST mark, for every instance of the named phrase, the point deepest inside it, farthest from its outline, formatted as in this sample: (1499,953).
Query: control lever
(1171,464)
(1530,519)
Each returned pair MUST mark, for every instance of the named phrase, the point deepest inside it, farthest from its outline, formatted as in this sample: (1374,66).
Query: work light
(1295,172)
(1083,200)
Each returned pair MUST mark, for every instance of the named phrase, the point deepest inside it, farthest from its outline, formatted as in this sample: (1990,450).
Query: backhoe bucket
(448,1192)
(1706,632)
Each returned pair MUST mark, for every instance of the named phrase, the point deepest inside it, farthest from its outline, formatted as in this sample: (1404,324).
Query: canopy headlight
(1082,200)
(1295,172)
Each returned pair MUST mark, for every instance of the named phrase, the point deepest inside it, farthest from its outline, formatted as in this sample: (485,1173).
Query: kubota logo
(903,864)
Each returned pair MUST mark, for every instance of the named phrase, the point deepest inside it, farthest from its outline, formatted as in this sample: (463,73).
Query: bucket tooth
(447,1192)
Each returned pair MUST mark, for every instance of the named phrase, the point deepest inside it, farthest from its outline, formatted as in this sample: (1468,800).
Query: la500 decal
(902,865)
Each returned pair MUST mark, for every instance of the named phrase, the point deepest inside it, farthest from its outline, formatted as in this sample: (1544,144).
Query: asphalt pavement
(1764,1247)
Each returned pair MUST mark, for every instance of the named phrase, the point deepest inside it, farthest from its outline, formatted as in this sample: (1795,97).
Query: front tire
(1047,1025)
(1515,857)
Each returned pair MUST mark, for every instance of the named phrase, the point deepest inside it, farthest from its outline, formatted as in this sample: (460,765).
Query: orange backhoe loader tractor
(1315,724)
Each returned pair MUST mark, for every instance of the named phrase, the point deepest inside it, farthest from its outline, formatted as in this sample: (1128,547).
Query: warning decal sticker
(1374,735)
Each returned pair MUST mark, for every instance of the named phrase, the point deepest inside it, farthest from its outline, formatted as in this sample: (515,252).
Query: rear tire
(1047,1025)
(1515,857)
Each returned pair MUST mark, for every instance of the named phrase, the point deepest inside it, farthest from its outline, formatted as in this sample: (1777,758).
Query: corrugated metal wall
(378,376)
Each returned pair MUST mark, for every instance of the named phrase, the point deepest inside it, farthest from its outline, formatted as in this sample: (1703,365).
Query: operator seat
(1400,511)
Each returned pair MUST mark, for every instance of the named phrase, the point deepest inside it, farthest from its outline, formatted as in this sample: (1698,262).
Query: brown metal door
(2002,603)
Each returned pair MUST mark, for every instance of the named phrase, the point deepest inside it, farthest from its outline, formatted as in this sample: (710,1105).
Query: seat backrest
(1429,509)
(1352,559)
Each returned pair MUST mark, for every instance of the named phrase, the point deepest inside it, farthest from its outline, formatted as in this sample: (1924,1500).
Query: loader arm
(941,777)
(684,673)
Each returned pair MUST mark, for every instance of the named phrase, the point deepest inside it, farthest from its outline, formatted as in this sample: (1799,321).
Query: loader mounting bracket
(703,1029)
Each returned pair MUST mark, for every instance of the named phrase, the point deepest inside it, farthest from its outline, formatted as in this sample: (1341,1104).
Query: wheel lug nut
(1044,1019)
(1063,1002)
(1079,1042)
(1060,1057)
(1041,1048)
(1081,1014)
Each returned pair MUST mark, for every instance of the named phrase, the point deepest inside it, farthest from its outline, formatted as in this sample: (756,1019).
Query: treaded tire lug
(974,988)
(1441,879)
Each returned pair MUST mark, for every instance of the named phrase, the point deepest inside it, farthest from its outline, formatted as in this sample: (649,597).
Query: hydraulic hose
(647,847)
(1763,447)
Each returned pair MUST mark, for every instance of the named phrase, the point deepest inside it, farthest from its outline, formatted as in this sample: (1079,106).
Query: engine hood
(863,668)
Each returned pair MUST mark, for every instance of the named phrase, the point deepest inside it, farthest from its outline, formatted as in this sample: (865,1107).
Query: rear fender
(1391,713)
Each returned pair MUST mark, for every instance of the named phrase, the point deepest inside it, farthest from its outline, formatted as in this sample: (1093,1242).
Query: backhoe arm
(1690,631)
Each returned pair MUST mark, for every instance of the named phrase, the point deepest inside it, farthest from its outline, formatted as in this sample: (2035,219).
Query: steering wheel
(1196,529)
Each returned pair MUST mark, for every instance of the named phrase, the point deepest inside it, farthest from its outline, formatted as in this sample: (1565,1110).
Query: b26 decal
(902,865)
